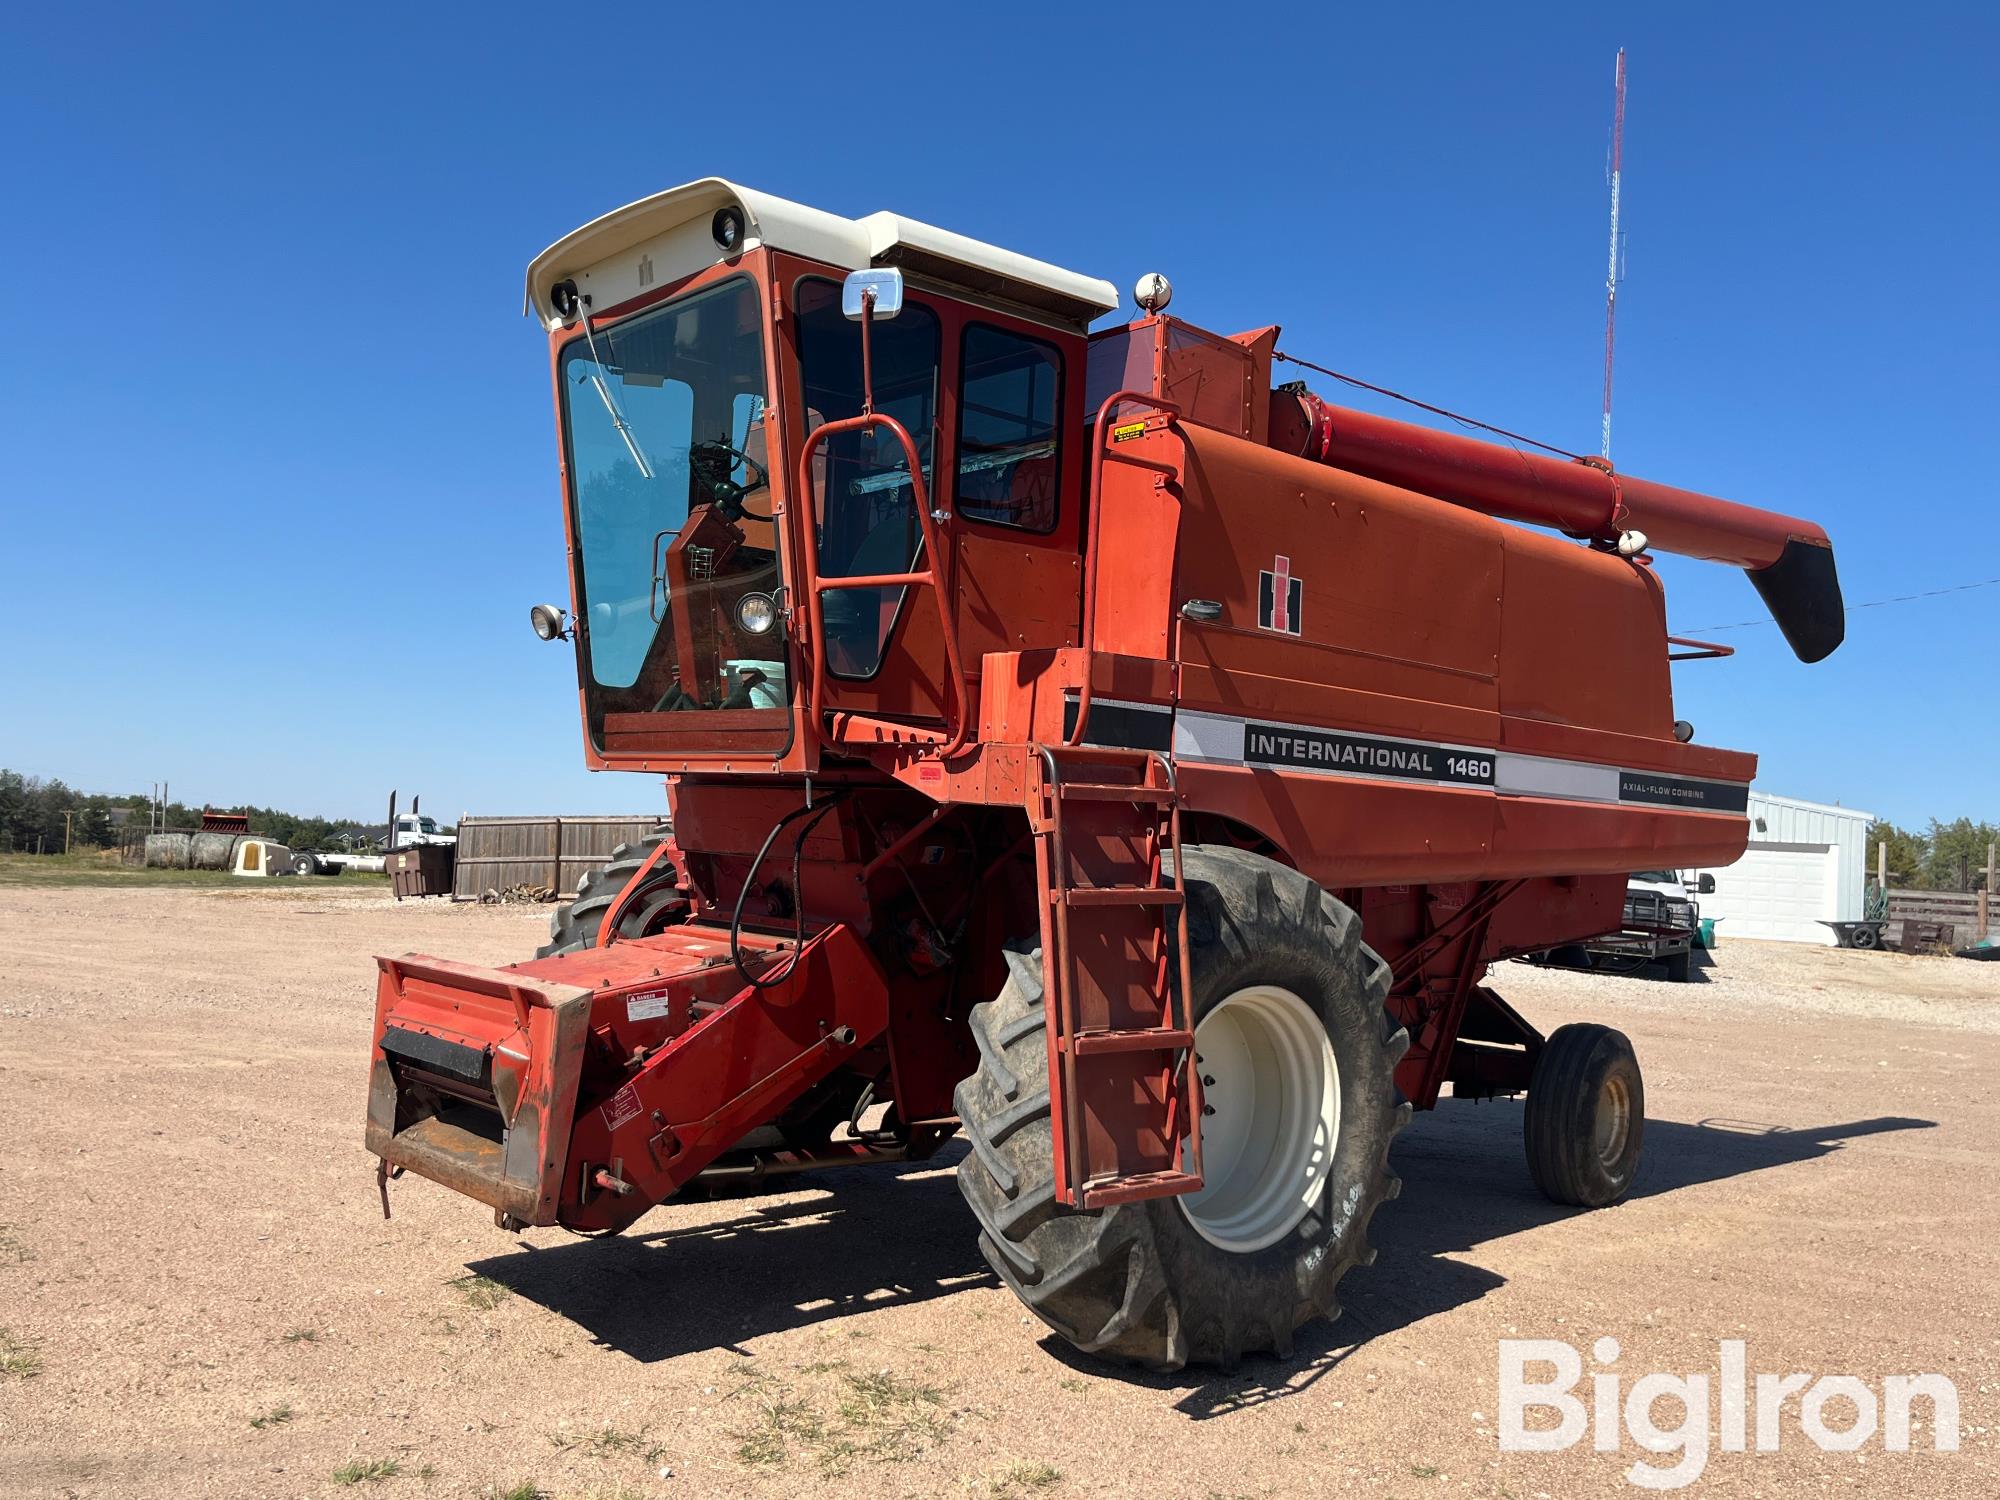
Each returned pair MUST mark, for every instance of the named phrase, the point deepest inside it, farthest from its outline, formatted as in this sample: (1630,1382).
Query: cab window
(1010,390)
(867,519)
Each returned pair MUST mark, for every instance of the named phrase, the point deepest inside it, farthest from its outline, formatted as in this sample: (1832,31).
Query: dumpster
(421,870)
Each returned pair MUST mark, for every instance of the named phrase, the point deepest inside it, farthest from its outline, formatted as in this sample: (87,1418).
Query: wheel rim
(1612,1126)
(1271,1089)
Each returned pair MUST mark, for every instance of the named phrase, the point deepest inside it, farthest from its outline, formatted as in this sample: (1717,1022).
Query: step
(1121,895)
(1109,791)
(1102,1192)
(1141,1039)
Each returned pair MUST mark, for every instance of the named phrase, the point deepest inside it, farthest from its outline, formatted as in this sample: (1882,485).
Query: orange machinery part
(1789,561)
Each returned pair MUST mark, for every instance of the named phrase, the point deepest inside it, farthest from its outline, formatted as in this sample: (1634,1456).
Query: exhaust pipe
(1789,561)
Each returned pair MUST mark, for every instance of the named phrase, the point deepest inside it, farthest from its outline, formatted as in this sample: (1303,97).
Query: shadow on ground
(886,1236)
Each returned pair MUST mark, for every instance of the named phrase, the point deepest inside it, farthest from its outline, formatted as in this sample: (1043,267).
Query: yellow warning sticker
(1126,431)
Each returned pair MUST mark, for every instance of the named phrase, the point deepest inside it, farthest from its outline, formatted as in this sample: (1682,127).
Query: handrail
(1702,652)
(1099,450)
(957,727)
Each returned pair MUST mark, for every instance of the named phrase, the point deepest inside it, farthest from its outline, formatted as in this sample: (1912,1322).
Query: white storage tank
(1806,866)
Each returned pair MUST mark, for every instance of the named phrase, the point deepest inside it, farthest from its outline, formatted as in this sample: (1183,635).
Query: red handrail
(1702,651)
(954,740)
(1100,446)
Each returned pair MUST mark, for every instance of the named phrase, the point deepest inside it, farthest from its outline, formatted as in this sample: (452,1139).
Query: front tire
(1278,965)
(1585,1122)
(573,926)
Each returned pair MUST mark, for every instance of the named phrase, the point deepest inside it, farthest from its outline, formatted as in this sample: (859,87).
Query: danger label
(653,1007)
(620,1107)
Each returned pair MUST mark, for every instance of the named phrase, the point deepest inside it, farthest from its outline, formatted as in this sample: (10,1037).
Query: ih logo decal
(1279,597)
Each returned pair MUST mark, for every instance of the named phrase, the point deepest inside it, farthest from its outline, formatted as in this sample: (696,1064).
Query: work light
(756,613)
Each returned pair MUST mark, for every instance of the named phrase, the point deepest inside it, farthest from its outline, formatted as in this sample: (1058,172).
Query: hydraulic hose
(812,815)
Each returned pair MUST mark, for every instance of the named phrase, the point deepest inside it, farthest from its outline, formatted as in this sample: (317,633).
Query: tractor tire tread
(573,925)
(1134,1283)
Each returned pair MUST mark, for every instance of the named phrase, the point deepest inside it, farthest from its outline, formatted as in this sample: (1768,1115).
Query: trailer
(406,831)
(1080,743)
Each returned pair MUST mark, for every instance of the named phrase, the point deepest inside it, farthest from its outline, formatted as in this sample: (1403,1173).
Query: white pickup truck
(1661,917)
(408,829)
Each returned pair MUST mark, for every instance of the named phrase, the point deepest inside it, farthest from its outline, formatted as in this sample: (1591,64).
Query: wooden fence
(495,853)
(1962,909)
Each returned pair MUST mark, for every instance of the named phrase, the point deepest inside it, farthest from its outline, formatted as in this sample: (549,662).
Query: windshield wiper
(611,404)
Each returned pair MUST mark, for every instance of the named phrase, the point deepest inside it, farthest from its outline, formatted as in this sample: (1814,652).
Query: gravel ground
(198,1294)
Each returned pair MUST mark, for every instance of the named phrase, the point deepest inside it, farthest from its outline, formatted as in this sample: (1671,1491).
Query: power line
(1957,588)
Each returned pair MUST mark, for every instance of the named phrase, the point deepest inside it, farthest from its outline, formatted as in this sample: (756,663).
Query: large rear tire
(1279,973)
(573,926)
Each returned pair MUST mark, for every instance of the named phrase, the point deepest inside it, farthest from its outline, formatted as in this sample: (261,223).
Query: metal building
(1806,866)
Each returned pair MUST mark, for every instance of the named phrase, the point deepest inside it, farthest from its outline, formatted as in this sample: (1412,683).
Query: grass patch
(367,1470)
(18,1357)
(527,1489)
(302,1336)
(1012,1481)
(101,868)
(277,1416)
(782,1422)
(611,1442)
(482,1293)
(1423,1471)
(876,1418)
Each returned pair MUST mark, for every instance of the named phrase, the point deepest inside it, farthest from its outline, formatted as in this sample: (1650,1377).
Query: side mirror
(886,282)
(1705,886)
(550,623)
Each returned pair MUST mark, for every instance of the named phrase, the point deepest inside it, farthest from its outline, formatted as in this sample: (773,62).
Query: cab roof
(616,256)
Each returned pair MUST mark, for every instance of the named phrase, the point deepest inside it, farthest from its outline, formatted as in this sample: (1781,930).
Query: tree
(1906,852)
(1956,857)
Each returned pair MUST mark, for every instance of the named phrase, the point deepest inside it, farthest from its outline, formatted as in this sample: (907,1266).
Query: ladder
(1124,1084)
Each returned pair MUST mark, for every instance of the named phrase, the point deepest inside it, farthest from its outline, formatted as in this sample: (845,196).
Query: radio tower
(1611,272)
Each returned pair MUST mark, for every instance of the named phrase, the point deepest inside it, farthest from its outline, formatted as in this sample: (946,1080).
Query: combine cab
(1072,741)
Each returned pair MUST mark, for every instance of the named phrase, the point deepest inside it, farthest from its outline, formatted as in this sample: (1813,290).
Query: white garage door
(1779,891)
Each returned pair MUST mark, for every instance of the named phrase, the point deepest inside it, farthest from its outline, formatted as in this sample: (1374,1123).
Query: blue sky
(277,475)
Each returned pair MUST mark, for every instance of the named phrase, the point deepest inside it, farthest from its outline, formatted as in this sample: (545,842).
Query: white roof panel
(666,236)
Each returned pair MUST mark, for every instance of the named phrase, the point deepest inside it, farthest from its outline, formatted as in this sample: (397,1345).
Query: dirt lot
(198,1295)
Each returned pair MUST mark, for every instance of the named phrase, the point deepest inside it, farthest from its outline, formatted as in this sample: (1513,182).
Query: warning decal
(620,1107)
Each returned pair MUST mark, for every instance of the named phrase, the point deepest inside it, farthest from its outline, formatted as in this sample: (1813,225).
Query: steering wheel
(712,464)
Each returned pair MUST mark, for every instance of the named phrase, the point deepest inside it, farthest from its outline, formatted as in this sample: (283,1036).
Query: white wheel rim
(1611,1126)
(1271,1091)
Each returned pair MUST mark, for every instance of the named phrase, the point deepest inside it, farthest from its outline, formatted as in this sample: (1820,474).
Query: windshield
(672,511)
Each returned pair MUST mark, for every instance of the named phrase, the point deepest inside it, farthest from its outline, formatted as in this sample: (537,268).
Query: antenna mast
(1611,272)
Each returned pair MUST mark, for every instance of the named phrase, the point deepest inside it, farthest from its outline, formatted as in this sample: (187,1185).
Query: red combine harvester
(1072,741)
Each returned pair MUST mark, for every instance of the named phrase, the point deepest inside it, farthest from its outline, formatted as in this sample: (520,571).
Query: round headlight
(727,227)
(756,613)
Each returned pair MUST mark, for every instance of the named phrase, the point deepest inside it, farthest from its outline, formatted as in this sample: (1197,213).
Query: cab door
(1018,465)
